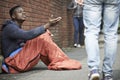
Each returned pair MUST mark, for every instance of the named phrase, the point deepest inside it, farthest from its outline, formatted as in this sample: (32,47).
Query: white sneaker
(75,45)
(78,45)
(94,75)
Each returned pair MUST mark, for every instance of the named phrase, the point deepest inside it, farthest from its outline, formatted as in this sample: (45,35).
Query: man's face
(19,14)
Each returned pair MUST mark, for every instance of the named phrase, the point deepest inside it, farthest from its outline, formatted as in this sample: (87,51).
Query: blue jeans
(92,19)
(78,30)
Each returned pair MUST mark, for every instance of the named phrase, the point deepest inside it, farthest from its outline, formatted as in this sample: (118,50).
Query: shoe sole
(95,77)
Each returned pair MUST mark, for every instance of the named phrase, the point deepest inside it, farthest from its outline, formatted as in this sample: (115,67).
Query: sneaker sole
(95,77)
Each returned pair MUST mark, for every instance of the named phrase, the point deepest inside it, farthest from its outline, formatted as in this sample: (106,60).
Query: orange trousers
(41,48)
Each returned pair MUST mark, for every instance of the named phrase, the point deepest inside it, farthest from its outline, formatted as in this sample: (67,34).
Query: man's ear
(13,16)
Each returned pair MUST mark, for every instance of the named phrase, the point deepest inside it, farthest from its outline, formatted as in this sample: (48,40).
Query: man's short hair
(11,11)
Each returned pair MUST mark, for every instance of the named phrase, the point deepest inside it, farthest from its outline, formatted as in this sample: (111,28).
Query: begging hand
(52,22)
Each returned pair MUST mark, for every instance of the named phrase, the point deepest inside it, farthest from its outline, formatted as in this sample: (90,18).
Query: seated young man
(22,49)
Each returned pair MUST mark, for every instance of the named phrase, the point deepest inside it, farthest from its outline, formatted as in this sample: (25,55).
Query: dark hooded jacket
(13,36)
(78,10)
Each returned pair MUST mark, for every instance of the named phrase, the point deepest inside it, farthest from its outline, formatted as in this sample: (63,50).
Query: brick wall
(38,12)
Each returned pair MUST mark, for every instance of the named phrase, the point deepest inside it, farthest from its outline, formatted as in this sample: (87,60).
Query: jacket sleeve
(17,33)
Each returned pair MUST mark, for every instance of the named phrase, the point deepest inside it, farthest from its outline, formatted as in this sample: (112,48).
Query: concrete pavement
(40,71)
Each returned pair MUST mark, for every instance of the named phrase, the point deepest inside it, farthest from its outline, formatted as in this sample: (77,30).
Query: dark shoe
(94,75)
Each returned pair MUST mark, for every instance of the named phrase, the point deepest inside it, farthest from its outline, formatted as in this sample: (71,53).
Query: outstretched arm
(17,33)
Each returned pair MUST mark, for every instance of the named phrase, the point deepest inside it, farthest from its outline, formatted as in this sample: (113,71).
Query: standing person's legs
(81,31)
(92,21)
(76,30)
(92,28)
(111,20)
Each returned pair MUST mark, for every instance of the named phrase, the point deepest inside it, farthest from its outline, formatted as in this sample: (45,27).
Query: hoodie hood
(6,23)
